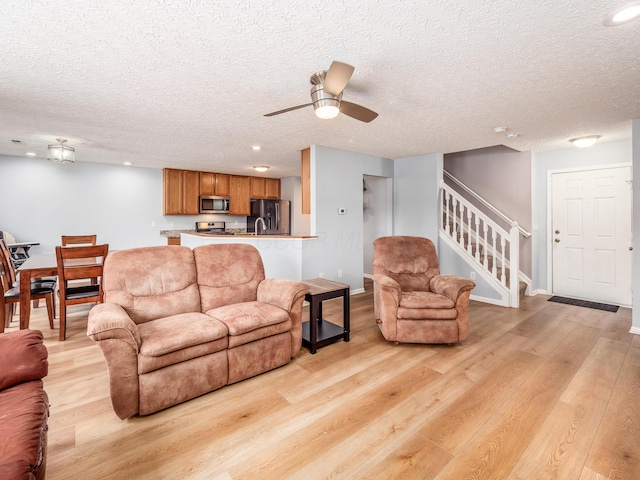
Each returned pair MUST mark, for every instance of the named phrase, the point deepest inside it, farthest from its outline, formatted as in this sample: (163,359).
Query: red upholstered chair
(413,302)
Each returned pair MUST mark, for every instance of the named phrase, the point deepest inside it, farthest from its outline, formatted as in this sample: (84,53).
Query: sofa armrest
(111,321)
(281,292)
(23,357)
(451,286)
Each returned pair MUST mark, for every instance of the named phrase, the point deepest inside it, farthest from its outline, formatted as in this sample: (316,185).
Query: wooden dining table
(36,266)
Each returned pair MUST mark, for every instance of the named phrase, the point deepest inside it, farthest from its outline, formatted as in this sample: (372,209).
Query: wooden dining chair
(79,240)
(79,263)
(10,294)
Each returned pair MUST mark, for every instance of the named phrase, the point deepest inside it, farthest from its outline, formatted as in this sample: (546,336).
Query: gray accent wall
(635,275)
(336,183)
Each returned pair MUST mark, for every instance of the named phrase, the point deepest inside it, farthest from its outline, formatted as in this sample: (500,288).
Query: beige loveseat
(177,323)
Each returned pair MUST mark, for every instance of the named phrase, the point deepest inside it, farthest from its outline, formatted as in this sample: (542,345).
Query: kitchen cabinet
(180,191)
(265,188)
(272,188)
(239,195)
(306,181)
(257,187)
(214,184)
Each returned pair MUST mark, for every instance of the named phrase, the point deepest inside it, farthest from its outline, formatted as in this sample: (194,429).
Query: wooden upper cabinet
(257,187)
(207,183)
(272,188)
(265,187)
(180,191)
(239,195)
(306,181)
(214,184)
(222,184)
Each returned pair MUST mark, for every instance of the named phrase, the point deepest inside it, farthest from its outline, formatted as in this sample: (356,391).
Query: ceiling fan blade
(287,110)
(337,78)
(357,111)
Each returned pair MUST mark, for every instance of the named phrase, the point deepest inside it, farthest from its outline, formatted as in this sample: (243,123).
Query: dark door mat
(584,303)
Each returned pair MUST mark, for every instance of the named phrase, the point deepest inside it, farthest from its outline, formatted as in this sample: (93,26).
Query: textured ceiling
(179,83)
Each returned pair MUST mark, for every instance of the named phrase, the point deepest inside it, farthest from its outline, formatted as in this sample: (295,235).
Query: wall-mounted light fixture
(584,142)
(60,152)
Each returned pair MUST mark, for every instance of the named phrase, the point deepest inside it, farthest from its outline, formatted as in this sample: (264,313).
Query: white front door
(591,234)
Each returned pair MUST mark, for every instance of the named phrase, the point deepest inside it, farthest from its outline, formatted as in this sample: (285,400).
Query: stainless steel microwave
(214,204)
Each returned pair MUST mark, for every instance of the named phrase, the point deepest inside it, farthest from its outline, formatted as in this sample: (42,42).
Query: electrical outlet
(153,223)
(472,275)
(321,275)
(339,273)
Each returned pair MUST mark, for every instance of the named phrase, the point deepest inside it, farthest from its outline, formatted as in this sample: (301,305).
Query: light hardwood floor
(544,391)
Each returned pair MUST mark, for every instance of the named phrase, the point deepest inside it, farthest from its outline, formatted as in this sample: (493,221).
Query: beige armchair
(413,302)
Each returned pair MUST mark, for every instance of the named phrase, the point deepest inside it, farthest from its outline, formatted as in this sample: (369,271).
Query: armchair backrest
(228,273)
(152,282)
(411,261)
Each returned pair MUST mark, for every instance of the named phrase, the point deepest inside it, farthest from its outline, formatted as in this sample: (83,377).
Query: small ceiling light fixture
(128,164)
(584,142)
(60,152)
(324,104)
(512,135)
(500,129)
(622,15)
(31,154)
(261,168)
(256,147)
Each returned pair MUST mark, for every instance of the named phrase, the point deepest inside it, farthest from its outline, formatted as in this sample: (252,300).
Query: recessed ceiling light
(512,135)
(128,164)
(584,142)
(261,168)
(500,129)
(31,154)
(623,15)
(256,147)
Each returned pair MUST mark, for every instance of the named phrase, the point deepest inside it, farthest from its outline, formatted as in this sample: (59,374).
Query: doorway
(591,234)
(376,216)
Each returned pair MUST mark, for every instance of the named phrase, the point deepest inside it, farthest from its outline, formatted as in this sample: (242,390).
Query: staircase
(491,250)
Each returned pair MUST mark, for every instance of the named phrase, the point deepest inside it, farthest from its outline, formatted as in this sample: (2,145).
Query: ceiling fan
(326,95)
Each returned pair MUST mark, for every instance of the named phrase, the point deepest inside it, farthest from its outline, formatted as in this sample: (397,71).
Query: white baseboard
(492,301)
(635,330)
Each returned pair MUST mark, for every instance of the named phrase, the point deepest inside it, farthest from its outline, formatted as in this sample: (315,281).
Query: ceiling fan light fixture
(585,142)
(60,152)
(327,111)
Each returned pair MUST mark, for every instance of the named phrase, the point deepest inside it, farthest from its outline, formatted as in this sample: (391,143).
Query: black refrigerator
(276,215)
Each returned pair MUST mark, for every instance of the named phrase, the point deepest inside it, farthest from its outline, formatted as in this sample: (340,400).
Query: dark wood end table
(317,332)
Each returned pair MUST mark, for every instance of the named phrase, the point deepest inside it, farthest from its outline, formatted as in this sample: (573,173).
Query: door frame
(549,228)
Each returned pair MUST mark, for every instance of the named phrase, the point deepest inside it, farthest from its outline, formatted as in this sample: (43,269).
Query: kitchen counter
(174,233)
(282,255)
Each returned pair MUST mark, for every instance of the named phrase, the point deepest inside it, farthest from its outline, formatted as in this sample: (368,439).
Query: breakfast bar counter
(282,255)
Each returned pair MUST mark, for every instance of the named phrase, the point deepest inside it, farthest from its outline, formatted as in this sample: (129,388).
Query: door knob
(557,240)
(630,248)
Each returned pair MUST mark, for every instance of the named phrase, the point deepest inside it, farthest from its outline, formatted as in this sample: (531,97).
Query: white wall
(635,276)
(545,162)
(416,187)
(44,200)
(336,182)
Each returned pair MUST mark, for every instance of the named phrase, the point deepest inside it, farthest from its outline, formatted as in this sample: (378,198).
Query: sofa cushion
(241,318)
(24,409)
(227,273)
(152,282)
(425,300)
(176,332)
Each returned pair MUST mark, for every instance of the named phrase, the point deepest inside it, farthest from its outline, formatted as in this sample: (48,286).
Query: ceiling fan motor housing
(320,98)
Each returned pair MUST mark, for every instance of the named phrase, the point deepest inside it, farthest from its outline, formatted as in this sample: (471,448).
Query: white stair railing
(493,249)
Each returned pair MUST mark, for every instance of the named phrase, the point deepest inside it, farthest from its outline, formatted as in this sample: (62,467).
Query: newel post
(514,265)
